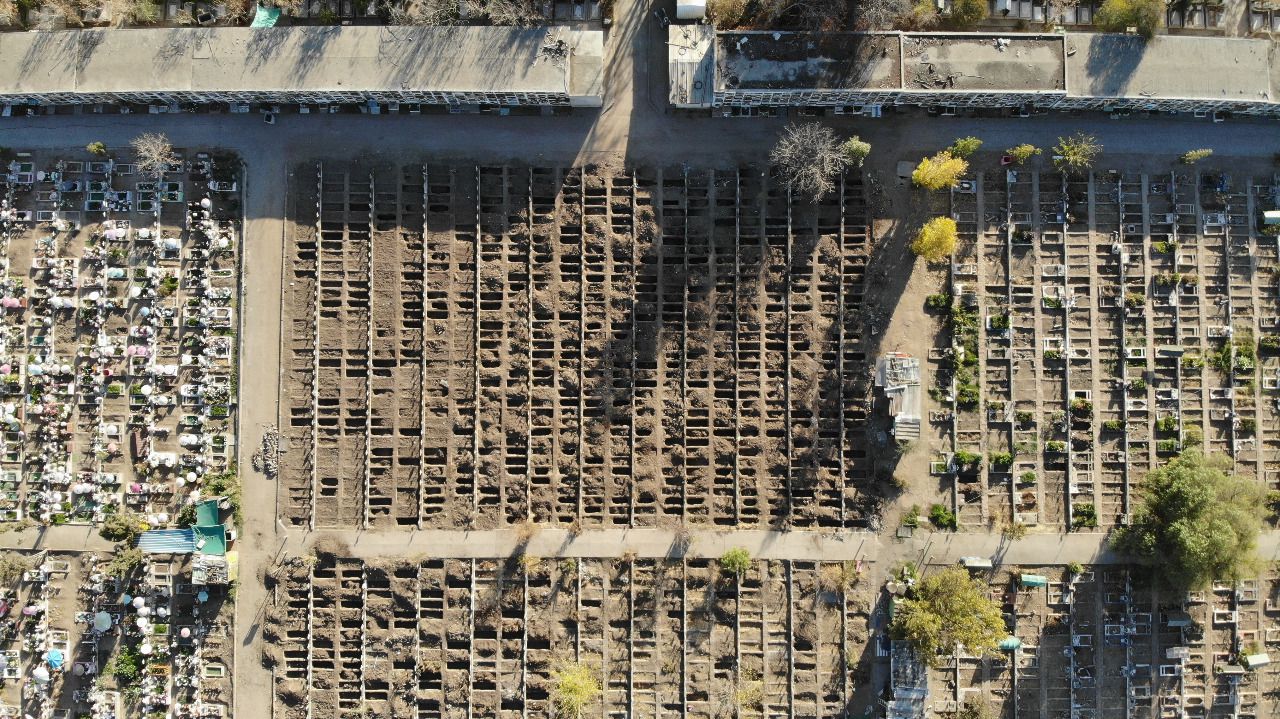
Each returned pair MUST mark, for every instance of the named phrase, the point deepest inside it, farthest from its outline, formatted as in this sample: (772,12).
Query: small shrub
(1015,530)
(1167,424)
(912,517)
(1191,157)
(941,517)
(1074,568)
(1084,516)
(96,148)
(735,561)
(1027,477)
(1022,153)
(1081,407)
(1001,459)
(1248,426)
(1025,417)
(965,459)
(964,147)
(1055,445)
(939,302)
(575,688)
(856,149)
(1113,425)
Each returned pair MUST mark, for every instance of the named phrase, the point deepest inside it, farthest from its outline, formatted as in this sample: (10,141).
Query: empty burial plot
(488,345)
(446,638)
(1109,321)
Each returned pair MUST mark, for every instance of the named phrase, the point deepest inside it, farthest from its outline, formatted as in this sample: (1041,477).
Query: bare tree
(421,12)
(71,10)
(809,157)
(520,13)
(154,153)
(879,14)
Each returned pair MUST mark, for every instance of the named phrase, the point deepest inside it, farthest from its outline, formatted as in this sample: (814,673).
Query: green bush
(965,459)
(1074,568)
(941,517)
(125,666)
(912,517)
(856,149)
(938,302)
(1055,445)
(1022,153)
(1025,417)
(1084,516)
(1028,477)
(1001,459)
(96,148)
(735,561)
(123,526)
(1191,157)
(1113,425)
(964,146)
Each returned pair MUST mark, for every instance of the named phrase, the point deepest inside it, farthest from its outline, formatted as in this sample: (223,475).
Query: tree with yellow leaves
(937,239)
(946,610)
(940,172)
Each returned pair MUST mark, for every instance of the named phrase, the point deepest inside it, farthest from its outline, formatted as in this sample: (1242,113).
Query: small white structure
(691,9)
(898,376)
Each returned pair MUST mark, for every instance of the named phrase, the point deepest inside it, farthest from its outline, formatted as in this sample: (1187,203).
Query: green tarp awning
(266,17)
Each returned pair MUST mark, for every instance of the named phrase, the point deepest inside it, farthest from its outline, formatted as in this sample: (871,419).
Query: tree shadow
(1111,63)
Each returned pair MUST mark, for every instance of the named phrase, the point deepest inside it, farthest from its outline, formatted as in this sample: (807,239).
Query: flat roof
(1013,63)
(1171,66)
(690,64)
(805,61)
(342,58)
(1081,65)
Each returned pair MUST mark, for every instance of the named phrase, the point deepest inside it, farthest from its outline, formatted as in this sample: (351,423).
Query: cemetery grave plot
(1102,644)
(1107,322)
(441,638)
(485,346)
(117,335)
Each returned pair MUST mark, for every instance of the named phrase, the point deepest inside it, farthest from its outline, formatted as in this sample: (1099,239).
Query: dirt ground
(485,346)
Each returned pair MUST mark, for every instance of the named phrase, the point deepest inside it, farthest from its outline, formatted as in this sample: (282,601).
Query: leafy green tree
(122,526)
(948,609)
(936,240)
(1196,522)
(123,562)
(96,148)
(1119,15)
(1076,153)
